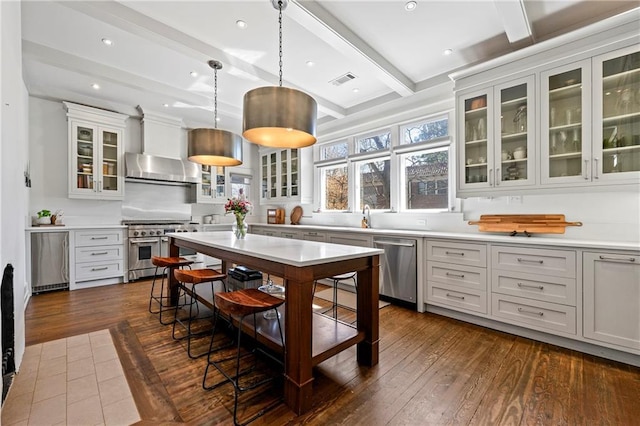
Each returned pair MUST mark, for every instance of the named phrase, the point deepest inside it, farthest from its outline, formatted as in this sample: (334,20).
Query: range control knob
(135,233)
(195,230)
(143,233)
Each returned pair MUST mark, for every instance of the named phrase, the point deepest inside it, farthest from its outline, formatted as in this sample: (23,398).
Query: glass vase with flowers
(239,206)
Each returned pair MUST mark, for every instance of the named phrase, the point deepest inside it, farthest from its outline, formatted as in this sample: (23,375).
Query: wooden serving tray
(525,223)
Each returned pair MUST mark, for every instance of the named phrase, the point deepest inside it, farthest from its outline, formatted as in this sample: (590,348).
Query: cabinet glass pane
(294,172)
(621,114)
(475,125)
(206,181)
(84,157)
(565,124)
(283,173)
(272,167)
(264,184)
(513,134)
(109,161)
(220,181)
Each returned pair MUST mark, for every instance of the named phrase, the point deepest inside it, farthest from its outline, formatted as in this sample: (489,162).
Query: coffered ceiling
(158,45)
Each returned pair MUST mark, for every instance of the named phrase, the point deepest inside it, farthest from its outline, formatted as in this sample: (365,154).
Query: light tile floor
(74,381)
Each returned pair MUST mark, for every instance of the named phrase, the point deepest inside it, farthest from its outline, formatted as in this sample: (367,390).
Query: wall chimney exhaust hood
(156,168)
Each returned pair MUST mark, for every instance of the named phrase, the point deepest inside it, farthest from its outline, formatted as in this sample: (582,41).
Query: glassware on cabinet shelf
(621,114)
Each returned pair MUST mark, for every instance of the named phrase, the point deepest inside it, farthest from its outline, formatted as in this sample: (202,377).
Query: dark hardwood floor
(432,371)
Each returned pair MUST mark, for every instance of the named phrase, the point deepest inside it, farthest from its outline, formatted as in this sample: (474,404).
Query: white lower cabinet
(99,255)
(457,276)
(612,299)
(534,314)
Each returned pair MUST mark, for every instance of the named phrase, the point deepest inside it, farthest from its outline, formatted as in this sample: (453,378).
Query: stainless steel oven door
(140,252)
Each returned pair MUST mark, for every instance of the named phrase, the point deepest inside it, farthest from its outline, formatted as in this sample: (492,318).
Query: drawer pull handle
(524,311)
(538,287)
(99,238)
(99,253)
(454,296)
(99,269)
(449,274)
(457,253)
(530,261)
(628,259)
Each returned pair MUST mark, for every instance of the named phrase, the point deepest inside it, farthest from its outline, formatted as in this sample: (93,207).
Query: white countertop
(287,251)
(62,228)
(469,237)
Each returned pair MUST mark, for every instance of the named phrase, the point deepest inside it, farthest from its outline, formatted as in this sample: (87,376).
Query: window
(240,183)
(334,151)
(335,188)
(426,179)
(425,130)
(374,183)
(374,142)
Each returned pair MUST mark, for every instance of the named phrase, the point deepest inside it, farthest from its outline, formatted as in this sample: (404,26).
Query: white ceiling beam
(129,20)
(312,15)
(514,19)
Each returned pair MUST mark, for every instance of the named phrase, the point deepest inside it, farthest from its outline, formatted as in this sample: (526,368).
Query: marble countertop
(469,237)
(287,251)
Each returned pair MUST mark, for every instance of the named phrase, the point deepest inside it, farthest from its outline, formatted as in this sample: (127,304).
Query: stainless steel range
(148,239)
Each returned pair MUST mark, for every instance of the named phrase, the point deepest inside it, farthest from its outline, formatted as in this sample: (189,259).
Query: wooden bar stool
(238,305)
(168,264)
(194,277)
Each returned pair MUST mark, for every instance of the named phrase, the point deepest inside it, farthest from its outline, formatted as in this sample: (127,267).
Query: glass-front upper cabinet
(280,175)
(515,150)
(497,128)
(96,149)
(212,188)
(566,134)
(616,132)
(476,130)
(96,154)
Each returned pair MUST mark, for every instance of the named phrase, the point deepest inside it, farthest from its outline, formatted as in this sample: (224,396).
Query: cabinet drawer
(97,270)
(98,238)
(291,235)
(559,263)
(465,276)
(99,253)
(533,313)
(530,286)
(457,297)
(458,253)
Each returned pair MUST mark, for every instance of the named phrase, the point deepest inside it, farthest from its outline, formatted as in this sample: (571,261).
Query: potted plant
(44,217)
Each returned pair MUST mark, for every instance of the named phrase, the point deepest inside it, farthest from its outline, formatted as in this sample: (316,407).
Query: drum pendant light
(214,147)
(276,116)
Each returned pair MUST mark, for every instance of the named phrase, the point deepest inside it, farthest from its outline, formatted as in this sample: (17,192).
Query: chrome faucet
(366,220)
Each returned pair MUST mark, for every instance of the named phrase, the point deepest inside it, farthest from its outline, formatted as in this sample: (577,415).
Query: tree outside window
(336,188)
(425,131)
(375,184)
(427,179)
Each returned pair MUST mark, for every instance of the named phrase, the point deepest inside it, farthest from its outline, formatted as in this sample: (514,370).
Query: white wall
(14,148)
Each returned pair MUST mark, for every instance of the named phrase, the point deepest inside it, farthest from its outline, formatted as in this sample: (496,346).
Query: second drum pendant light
(276,116)
(214,147)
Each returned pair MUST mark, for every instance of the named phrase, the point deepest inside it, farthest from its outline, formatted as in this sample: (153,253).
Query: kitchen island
(309,338)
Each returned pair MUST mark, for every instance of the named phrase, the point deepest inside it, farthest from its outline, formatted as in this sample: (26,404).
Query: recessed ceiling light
(447,52)
(107,41)
(217,118)
(410,5)
(356,90)
(165,105)
(95,86)
(193,74)
(310,63)
(241,24)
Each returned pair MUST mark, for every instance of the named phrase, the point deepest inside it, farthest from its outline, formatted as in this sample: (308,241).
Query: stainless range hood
(156,168)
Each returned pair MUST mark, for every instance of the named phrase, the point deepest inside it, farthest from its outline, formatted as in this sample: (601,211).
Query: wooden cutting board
(527,223)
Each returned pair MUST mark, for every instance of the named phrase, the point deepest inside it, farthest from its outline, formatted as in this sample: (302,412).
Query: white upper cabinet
(496,144)
(213,189)
(286,175)
(96,147)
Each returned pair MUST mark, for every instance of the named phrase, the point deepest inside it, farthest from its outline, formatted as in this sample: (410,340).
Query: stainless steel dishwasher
(398,274)
(49,261)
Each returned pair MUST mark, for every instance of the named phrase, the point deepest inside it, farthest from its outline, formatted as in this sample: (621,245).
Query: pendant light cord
(280,38)
(215,98)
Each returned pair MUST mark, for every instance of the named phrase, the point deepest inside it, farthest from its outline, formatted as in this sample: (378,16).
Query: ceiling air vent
(339,81)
